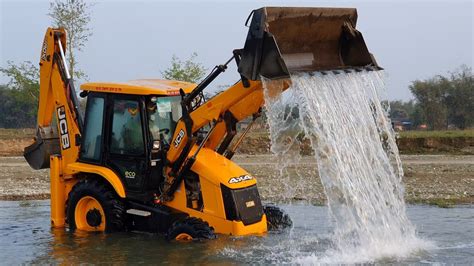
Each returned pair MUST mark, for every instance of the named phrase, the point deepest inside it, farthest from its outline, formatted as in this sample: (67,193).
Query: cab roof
(141,87)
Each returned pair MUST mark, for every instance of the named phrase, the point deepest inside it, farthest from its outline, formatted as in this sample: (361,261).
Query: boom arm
(223,111)
(57,96)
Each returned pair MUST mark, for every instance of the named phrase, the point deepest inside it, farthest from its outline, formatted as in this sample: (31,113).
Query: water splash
(342,117)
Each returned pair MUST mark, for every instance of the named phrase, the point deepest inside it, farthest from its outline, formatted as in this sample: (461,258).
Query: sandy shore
(432,179)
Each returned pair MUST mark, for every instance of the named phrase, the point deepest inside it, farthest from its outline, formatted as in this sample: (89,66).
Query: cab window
(163,115)
(91,146)
(127,135)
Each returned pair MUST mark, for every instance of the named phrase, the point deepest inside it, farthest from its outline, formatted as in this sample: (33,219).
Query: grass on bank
(468,133)
(16,133)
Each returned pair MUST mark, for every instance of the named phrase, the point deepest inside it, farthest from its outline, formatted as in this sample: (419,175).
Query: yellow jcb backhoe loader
(154,155)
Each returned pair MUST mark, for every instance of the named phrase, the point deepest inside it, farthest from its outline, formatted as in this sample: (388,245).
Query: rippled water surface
(26,237)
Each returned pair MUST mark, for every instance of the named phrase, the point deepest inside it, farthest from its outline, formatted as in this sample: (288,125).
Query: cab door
(126,148)
(92,140)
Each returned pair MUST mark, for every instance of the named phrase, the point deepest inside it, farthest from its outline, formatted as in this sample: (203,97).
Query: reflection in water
(127,248)
(26,237)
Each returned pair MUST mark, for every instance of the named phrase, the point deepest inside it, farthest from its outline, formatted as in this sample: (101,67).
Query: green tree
(430,95)
(445,101)
(459,97)
(19,97)
(407,110)
(23,77)
(188,70)
(74,16)
(418,116)
(401,109)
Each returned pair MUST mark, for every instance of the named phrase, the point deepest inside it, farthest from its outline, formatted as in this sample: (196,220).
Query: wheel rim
(89,215)
(183,237)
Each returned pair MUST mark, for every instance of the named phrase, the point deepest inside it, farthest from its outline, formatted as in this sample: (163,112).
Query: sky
(411,40)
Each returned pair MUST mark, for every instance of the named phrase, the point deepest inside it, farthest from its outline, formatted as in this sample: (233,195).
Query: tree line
(440,102)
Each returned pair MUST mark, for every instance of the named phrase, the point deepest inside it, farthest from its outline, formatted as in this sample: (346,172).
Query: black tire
(193,227)
(277,219)
(112,206)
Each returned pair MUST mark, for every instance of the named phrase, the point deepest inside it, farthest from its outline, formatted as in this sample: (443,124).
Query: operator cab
(163,114)
(128,128)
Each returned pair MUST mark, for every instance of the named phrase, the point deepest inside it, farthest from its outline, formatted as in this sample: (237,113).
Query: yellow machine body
(214,170)
(199,179)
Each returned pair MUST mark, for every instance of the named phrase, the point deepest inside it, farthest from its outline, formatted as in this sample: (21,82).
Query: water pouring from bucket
(322,57)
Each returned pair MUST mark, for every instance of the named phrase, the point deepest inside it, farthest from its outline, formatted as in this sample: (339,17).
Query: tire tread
(113,206)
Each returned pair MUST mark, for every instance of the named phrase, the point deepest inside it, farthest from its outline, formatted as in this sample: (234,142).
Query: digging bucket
(46,144)
(282,40)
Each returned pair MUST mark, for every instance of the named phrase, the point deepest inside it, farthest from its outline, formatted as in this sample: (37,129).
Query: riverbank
(459,142)
(455,142)
(441,180)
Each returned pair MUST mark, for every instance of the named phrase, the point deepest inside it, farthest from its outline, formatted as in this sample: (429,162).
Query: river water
(26,237)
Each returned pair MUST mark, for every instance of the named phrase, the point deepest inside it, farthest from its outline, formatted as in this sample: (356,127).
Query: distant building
(402,124)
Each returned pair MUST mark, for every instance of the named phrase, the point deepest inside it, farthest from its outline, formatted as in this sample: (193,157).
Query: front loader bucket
(282,40)
(46,144)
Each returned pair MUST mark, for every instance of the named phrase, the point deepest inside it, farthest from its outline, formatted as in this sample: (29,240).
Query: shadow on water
(26,237)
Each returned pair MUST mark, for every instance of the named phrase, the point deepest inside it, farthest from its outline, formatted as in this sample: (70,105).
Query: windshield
(163,115)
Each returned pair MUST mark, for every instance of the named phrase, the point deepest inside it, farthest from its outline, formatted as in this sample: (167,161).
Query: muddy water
(26,237)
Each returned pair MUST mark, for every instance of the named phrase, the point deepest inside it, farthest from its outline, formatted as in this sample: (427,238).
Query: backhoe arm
(222,112)
(57,99)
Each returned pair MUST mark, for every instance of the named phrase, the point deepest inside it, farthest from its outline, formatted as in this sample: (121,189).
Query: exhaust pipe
(282,40)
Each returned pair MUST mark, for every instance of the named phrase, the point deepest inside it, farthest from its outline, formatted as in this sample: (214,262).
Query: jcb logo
(44,50)
(63,129)
(179,138)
